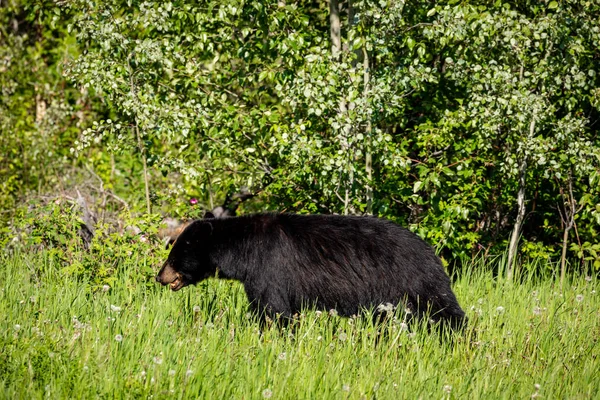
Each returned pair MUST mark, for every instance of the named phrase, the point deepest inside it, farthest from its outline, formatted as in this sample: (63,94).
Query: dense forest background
(473,123)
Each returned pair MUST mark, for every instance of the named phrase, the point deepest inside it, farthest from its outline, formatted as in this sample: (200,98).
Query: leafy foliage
(426,115)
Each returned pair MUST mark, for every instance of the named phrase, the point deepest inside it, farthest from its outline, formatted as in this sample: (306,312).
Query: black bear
(287,262)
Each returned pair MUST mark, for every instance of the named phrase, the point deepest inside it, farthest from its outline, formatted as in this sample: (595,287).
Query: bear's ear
(209,215)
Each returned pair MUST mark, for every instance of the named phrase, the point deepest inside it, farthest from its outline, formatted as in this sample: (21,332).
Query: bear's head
(189,261)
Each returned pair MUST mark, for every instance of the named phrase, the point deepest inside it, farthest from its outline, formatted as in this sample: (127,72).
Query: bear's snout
(168,276)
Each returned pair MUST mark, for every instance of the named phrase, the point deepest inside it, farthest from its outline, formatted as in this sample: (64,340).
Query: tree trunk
(568,219)
(514,238)
(563,257)
(368,132)
(335,28)
(145,165)
(139,138)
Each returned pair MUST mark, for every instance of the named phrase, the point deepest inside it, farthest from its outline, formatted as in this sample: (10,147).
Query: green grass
(58,339)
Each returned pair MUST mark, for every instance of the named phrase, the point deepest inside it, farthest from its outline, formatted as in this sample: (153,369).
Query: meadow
(61,337)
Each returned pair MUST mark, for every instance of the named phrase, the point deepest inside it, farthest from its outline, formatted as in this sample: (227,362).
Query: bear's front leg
(269,304)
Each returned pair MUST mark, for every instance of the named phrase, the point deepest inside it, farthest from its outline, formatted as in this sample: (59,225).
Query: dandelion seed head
(346,388)
(403,326)
(17,327)
(157,360)
(267,393)
(189,372)
(119,338)
(588,278)
(579,298)
(196,309)
(387,308)
(105,288)
(342,337)
(537,311)
(282,356)
(499,309)
(319,338)
(537,386)
(115,308)
(447,388)
(171,372)
(333,312)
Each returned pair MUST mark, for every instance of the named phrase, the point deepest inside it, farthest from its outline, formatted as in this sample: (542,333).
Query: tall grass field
(61,337)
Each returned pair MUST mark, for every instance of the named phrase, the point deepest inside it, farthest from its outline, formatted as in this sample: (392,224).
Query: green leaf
(417,186)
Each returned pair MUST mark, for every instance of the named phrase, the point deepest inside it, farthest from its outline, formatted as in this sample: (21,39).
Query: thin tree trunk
(336,51)
(139,139)
(568,218)
(563,257)
(335,27)
(514,239)
(368,154)
(144,163)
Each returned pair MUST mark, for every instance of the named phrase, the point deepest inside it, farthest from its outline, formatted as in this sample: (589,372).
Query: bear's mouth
(177,283)
(169,276)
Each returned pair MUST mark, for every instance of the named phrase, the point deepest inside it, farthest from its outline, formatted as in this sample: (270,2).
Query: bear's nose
(157,278)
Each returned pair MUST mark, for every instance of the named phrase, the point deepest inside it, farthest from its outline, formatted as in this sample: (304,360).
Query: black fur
(346,263)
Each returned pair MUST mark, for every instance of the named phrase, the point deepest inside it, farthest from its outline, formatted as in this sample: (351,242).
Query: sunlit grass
(59,339)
